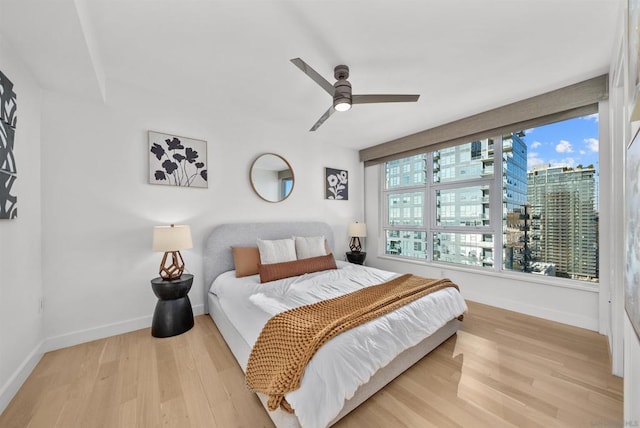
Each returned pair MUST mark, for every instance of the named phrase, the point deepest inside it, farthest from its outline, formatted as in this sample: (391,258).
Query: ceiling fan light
(342,105)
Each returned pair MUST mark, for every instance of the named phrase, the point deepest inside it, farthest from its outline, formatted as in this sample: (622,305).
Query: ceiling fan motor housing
(341,72)
(342,86)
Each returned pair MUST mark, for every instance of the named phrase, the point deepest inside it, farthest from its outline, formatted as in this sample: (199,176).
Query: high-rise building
(460,207)
(405,207)
(514,166)
(564,219)
(469,206)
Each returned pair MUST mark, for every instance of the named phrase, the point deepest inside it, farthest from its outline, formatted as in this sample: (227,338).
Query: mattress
(349,360)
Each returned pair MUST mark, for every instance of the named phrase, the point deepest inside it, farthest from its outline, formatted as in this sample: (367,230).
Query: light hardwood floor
(501,369)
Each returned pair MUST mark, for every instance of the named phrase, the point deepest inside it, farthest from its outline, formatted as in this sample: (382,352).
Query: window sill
(538,279)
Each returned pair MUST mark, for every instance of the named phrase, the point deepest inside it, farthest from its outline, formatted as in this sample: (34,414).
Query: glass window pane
(405,172)
(464,206)
(550,221)
(463,162)
(474,249)
(405,209)
(405,243)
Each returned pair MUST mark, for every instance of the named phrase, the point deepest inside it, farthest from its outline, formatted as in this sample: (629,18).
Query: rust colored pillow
(274,271)
(246,260)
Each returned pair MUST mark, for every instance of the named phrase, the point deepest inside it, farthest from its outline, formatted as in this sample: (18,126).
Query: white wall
(99,211)
(632,375)
(20,243)
(518,292)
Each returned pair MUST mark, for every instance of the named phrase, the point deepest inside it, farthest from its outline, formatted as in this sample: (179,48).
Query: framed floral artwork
(177,161)
(336,184)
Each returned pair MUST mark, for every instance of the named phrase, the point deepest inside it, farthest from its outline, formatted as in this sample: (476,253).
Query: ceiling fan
(341,91)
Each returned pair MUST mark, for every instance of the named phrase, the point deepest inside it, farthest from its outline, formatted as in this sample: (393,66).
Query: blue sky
(571,143)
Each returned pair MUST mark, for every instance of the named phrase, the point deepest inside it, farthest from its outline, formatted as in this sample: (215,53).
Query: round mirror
(272,177)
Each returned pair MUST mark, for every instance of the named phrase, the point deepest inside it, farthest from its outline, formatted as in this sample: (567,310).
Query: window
(524,202)
(550,225)
(286,185)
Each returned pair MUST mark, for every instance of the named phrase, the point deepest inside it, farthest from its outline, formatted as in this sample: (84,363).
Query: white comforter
(348,360)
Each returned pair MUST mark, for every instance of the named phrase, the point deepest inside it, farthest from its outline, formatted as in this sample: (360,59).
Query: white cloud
(564,147)
(529,131)
(568,162)
(595,117)
(534,160)
(582,152)
(592,143)
(536,144)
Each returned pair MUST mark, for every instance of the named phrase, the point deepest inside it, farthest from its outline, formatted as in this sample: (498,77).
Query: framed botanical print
(177,161)
(336,184)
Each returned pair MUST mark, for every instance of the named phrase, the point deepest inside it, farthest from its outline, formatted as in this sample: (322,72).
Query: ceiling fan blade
(306,69)
(365,99)
(322,119)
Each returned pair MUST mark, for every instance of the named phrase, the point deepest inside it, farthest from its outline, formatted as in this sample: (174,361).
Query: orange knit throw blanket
(290,339)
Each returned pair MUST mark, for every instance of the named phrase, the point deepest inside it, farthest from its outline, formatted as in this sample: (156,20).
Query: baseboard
(9,389)
(198,310)
(108,330)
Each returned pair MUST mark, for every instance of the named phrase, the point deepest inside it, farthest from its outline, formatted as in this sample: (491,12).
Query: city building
(459,207)
(564,219)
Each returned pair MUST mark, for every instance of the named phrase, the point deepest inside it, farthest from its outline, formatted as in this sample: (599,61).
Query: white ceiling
(231,57)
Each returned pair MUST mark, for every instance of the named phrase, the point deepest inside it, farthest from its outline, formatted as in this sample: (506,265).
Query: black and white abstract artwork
(177,161)
(336,184)
(8,172)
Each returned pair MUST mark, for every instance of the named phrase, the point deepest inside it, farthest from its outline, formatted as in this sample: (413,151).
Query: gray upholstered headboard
(217,248)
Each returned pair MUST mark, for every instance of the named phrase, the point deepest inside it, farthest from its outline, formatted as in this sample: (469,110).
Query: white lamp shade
(172,238)
(358,229)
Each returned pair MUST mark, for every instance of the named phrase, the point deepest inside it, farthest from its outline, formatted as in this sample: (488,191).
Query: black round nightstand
(356,257)
(173,314)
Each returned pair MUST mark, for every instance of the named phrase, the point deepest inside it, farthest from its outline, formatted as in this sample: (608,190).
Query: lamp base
(355,244)
(174,269)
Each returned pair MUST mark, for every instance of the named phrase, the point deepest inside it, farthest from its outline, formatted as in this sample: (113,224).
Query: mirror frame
(293,176)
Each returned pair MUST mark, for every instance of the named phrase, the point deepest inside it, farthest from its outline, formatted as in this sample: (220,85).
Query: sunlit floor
(501,369)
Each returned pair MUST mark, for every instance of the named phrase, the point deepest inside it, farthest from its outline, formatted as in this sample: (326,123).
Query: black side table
(173,314)
(356,257)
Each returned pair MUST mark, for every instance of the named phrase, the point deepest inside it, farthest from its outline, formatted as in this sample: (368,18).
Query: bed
(239,310)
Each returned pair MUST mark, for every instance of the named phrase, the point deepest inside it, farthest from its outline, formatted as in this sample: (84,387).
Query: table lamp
(357,231)
(171,239)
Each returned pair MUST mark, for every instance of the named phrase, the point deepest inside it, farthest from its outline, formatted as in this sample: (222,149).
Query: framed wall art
(177,161)
(336,184)
(8,171)
(632,276)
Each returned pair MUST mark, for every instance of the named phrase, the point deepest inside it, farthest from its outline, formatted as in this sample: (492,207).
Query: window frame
(495,228)
(429,189)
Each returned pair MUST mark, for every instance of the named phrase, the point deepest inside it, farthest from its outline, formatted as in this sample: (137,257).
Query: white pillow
(309,246)
(276,251)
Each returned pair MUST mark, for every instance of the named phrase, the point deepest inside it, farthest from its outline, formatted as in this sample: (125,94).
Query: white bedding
(348,360)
